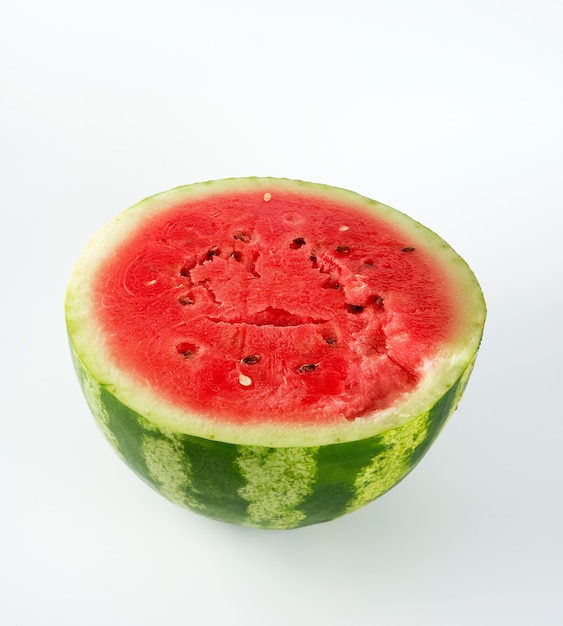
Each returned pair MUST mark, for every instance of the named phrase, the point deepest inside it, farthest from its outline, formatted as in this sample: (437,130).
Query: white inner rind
(440,373)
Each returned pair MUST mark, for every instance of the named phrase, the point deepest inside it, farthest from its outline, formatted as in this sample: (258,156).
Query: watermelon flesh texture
(270,352)
(273,312)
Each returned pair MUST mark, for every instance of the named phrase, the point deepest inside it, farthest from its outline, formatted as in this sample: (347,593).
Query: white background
(449,111)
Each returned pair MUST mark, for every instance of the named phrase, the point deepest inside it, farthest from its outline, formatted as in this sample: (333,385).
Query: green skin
(265,487)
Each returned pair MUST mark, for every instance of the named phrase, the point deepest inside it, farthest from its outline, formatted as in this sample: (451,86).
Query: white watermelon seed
(245,381)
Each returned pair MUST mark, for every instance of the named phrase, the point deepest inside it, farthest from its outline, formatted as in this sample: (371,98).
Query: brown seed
(297,243)
(251,359)
(307,367)
(185,300)
(331,341)
(354,308)
(408,249)
(343,249)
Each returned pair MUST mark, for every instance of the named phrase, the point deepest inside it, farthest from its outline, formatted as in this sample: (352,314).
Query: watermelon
(269,352)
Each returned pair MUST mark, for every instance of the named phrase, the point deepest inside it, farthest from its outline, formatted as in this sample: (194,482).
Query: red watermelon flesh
(253,308)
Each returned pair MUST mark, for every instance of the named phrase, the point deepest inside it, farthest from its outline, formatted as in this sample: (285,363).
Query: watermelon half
(270,352)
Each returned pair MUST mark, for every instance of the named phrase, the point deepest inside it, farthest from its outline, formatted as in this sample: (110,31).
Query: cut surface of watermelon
(277,326)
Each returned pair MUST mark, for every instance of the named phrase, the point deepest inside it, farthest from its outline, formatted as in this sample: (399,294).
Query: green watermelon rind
(276,488)
(262,474)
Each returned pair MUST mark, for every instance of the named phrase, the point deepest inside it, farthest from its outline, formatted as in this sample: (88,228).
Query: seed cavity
(297,243)
(331,341)
(186,300)
(343,249)
(378,301)
(331,284)
(251,359)
(213,251)
(354,308)
(242,236)
(244,380)
(186,349)
(408,249)
(307,367)
(237,256)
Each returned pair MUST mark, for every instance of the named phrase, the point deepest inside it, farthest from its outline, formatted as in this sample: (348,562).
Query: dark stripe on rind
(213,483)
(126,427)
(215,478)
(439,415)
(339,465)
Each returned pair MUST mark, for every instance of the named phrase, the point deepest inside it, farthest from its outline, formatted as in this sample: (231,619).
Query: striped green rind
(261,486)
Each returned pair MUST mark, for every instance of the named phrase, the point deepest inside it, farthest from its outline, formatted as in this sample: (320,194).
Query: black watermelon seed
(307,367)
(297,243)
(354,308)
(343,249)
(251,359)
